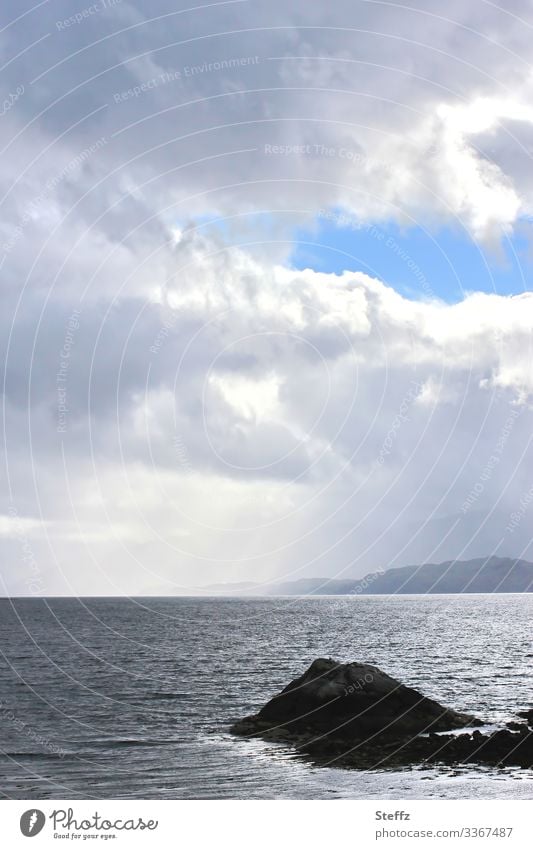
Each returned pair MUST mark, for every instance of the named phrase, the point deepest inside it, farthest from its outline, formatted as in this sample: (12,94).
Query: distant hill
(483,575)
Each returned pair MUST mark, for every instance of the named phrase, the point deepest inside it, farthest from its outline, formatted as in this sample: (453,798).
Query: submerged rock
(359,716)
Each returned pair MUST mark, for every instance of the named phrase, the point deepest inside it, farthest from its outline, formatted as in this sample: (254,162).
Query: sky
(267,300)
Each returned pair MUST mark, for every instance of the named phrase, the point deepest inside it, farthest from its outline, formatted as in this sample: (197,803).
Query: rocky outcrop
(357,715)
(359,700)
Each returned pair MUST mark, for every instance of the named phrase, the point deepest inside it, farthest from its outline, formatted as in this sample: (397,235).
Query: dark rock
(357,699)
(356,715)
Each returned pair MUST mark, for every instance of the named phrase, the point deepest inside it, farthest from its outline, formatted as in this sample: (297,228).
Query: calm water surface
(137,695)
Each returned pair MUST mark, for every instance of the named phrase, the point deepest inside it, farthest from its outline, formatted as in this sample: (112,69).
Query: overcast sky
(266,289)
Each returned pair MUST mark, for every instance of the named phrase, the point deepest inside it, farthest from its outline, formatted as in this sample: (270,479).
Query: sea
(124,698)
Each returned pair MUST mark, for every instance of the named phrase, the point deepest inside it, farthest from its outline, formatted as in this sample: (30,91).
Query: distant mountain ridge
(481,575)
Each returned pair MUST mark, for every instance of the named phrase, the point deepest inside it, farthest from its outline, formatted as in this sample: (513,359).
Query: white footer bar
(268,824)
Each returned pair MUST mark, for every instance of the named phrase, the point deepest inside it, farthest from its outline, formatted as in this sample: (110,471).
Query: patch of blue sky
(416,262)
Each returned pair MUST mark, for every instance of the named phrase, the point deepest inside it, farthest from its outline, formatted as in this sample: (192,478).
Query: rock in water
(357,716)
(352,700)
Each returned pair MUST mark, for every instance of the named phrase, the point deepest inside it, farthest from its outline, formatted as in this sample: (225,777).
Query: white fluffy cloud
(374,106)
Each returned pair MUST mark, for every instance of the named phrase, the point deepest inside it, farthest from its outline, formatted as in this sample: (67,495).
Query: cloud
(378,105)
(328,418)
